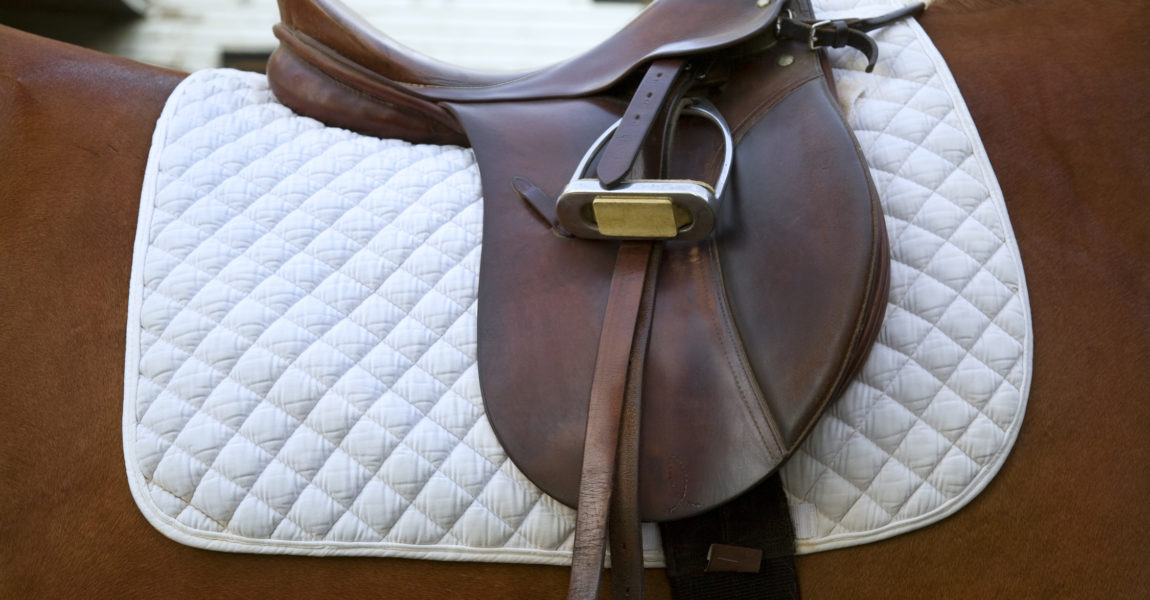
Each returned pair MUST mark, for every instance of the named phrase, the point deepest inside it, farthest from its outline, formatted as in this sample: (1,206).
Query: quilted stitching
(307,365)
(304,372)
(942,394)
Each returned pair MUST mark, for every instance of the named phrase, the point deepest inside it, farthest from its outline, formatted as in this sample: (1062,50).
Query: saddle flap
(754,330)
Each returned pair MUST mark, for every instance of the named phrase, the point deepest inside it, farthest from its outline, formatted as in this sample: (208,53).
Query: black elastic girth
(757,519)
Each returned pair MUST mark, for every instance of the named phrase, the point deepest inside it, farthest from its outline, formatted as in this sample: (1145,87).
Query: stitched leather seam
(735,356)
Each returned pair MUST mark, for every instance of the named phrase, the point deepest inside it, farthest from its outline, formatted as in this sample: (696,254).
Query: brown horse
(1059,95)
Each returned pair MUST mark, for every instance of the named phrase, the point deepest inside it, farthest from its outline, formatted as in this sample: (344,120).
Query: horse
(1057,91)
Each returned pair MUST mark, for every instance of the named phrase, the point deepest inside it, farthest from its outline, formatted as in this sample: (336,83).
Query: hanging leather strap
(631,284)
(625,529)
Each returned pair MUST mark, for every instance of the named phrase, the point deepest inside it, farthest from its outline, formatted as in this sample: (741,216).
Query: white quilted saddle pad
(300,373)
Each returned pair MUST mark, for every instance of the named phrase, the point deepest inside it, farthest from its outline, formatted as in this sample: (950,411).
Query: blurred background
(197,34)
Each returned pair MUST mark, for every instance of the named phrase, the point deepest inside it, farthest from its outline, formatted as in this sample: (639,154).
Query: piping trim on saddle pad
(300,367)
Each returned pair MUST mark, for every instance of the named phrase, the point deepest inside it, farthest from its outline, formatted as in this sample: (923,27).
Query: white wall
(494,34)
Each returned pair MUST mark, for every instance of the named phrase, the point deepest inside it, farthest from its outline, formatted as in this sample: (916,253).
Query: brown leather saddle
(684,259)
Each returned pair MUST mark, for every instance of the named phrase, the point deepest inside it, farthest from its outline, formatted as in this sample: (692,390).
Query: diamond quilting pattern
(937,405)
(301,377)
(306,331)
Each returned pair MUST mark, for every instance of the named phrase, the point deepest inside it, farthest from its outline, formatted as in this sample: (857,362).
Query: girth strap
(622,346)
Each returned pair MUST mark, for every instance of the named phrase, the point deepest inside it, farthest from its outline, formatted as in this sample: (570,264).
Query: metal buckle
(811,40)
(649,209)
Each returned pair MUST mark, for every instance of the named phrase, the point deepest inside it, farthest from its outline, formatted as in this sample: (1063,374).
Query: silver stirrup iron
(645,209)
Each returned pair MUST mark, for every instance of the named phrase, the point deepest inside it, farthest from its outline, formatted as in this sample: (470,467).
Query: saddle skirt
(162,451)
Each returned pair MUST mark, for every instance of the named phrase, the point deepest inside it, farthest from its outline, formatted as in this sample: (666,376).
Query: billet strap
(632,285)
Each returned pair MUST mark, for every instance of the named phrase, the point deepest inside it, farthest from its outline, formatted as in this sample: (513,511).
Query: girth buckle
(645,209)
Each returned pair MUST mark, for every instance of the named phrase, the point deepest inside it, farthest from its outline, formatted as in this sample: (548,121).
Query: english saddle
(684,258)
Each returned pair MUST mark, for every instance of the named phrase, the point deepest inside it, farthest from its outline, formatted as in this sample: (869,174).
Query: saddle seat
(395,83)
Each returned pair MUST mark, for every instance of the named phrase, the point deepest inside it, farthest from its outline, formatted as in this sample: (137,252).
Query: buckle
(646,209)
(842,32)
(812,38)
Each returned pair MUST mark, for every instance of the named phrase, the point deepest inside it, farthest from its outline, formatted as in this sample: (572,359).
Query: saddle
(684,258)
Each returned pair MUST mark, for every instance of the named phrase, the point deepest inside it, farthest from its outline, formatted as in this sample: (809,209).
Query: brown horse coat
(1058,91)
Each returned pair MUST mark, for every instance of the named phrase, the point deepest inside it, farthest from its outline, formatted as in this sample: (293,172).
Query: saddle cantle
(703,362)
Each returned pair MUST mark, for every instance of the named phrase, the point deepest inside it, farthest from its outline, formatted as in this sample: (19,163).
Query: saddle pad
(300,370)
